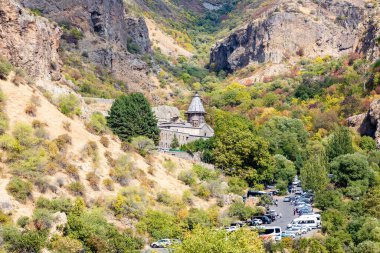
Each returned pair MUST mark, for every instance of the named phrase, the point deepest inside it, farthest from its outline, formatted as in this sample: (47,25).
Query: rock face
(291,29)
(368,123)
(108,33)
(25,38)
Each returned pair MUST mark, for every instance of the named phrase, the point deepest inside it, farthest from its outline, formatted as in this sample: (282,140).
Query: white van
(310,222)
(317,216)
(270,233)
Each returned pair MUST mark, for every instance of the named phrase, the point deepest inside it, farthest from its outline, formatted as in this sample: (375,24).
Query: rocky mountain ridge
(287,30)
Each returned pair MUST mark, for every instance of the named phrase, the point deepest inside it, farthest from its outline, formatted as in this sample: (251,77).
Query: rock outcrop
(368,123)
(290,29)
(109,33)
(28,41)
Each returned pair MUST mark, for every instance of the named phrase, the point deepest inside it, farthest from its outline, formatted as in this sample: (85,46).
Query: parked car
(287,199)
(163,243)
(303,229)
(256,222)
(296,229)
(264,219)
(288,234)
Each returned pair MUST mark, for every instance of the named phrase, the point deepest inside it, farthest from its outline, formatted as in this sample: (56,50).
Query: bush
(63,141)
(69,105)
(5,68)
(31,110)
(9,143)
(204,173)
(19,189)
(93,180)
(105,141)
(42,219)
(76,188)
(237,185)
(143,145)
(159,225)
(66,125)
(367,143)
(108,183)
(24,134)
(241,211)
(203,191)
(72,171)
(23,221)
(66,245)
(164,197)
(3,124)
(54,205)
(23,241)
(131,203)
(188,177)
(97,124)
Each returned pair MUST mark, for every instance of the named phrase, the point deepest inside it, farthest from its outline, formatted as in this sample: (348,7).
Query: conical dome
(196,105)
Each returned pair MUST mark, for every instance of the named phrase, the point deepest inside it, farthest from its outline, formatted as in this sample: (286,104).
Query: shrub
(93,180)
(241,211)
(105,141)
(69,105)
(5,68)
(187,197)
(97,124)
(204,173)
(42,219)
(41,184)
(202,191)
(66,125)
(54,205)
(4,218)
(143,145)
(367,143)
(63,141)
(38,124)
(19,189)
(41,133)
(237,185)
(108,183)
(9,143)
(72,171)
(24,241)
(76,188)
(23,221)
(3,124)
(169,165)
(164,197)
(159,225)
(188,177)
(24,134)
(131,202)
(66,245)
(35,100)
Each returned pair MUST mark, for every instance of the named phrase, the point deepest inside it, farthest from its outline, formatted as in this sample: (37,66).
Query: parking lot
(285,209)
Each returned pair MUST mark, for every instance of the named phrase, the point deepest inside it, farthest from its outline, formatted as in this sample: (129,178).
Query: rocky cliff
(108,33)
(368,123)
(288,29)
(24,38)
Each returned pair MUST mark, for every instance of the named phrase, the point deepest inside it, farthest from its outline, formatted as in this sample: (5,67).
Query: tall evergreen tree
(339,144)
(175,142)
(131,116)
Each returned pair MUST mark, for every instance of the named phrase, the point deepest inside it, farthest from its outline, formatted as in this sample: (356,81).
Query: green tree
(239,152)
(175,142)
(314,174)
(340,143)
(286,136)
(284,169)
(209,240)
(367,143)
(131,116)
(350,168)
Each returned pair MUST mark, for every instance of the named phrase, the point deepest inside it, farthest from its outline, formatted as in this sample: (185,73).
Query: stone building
(171,124)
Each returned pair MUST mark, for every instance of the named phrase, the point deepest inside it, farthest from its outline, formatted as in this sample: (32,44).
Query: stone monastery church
(170,124)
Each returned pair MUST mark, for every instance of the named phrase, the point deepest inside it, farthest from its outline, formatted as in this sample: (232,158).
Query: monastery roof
(196,105)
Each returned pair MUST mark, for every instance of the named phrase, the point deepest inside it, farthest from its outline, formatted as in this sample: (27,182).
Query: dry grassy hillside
(155,173)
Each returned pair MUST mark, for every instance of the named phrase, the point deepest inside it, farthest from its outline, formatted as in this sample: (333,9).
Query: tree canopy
(131,116)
